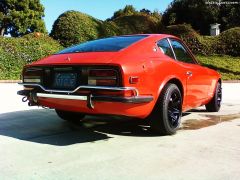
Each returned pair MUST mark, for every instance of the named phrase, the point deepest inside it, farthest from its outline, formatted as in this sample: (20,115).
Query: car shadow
(44,126)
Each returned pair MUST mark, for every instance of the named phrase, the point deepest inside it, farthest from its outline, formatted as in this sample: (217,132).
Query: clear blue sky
(101,9)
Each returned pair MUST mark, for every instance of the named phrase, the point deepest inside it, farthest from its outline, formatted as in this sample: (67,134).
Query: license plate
(65,80)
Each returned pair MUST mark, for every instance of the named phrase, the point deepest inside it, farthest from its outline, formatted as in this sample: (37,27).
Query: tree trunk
(2,31)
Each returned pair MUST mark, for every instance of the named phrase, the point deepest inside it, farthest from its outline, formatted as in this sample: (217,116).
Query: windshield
(111,44)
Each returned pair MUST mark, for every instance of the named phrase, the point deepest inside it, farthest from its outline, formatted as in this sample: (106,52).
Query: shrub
(189,36)
(137,23)
(17,52)
(109,28)
(229,42)
(73,27)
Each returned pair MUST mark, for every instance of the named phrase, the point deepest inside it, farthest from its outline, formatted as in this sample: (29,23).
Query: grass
(227,66)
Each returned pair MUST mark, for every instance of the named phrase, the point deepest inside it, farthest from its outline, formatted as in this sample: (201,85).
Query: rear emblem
(68,59)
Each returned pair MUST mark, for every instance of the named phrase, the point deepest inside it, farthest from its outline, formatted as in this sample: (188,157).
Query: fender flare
(169,79)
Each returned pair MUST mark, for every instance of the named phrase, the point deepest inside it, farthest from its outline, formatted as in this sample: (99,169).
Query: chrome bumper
(83,87)
(68,95)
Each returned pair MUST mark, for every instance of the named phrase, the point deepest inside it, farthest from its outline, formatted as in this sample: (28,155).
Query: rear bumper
(136,105)
(133,99)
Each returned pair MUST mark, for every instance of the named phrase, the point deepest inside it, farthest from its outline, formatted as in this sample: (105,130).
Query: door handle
(189,73)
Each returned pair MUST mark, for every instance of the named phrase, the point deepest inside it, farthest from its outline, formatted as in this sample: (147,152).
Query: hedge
(137,24)
(189,36)
(73,27)
(17,52)
(228,42)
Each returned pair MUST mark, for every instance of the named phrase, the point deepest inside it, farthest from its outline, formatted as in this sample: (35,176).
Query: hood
(78,58)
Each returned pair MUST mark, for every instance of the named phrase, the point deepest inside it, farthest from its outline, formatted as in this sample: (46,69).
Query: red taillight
(102,77)
(102,73)
(32,75)
(33,72)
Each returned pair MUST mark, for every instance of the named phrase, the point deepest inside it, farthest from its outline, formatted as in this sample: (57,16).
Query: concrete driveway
(36,144)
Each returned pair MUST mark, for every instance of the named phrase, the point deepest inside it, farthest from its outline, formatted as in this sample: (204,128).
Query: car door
(196,75)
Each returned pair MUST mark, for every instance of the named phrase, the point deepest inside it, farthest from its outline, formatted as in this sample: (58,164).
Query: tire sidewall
(165,102)
(216,97)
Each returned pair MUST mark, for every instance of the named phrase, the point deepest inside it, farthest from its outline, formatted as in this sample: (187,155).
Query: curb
(10,81)
(231,81)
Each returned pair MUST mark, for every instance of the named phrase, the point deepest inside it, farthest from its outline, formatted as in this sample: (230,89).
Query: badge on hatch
(68,59)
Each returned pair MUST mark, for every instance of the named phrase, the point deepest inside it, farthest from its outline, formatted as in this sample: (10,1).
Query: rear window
(111,44)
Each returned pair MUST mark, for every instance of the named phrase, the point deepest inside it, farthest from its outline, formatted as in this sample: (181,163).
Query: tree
(229,16)
(126,11)
(194,12)
(131,21)
(200,14)
(146,11)
(18,18)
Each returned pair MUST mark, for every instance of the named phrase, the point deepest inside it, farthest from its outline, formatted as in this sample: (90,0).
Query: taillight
(32,75)
(102,77)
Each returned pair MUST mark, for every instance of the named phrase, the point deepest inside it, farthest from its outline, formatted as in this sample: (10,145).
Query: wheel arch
(173,80)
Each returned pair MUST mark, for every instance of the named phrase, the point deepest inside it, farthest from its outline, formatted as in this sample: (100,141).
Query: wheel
(70,116)
(166,115)
(215,104)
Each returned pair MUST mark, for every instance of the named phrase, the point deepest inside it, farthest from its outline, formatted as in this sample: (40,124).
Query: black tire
(74,117)
(215,104)
(166,115)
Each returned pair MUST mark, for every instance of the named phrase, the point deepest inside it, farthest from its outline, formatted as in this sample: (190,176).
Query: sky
(100,9)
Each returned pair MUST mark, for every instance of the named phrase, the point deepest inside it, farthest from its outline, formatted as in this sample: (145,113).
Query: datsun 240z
(146,76)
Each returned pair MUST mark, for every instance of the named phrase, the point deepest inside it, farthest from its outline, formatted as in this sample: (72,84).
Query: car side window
(181,52)
(165,47)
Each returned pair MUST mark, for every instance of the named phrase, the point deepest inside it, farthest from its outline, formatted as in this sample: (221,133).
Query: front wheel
(70,116)
(215,104)
(166,115)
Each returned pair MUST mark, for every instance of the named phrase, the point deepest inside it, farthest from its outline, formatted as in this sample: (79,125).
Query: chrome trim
(169,42)
(59,96)
(136,93)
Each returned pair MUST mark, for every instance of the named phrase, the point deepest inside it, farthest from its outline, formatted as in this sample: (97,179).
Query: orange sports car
(147,76)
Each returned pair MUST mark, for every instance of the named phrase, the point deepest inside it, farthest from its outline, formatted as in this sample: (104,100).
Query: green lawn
(227,66)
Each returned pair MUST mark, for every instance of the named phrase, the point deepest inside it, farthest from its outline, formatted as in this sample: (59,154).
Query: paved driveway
(36,144)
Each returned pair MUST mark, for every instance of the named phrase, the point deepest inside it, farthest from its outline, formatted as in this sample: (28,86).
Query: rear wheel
(215,104)
(70,116)
(166,115)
